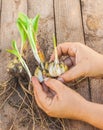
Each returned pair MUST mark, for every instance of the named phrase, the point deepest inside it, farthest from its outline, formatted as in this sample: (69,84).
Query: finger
(38,90)
(40,104)
(45,88)
(36,97)
(55,85)
(69,61)
(61,79)
(37,101)
(49,92)
(64,49)
(74,73)
(41,97)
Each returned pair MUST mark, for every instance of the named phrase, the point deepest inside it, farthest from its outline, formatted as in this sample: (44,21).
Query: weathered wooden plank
(9,31)
(69,28)
(46,25)
(0,23)
(93,27)
(46,28)
(0,6)
(10,10)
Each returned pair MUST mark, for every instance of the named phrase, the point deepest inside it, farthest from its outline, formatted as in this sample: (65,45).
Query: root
(76,82)
(37,116)
(17,114)
(6,100)
(3,87)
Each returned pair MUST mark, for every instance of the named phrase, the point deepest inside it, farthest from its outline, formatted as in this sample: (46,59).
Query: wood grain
(93,27)
(46,28)
(69,28)
(0,8)
(10,10)
(9,31)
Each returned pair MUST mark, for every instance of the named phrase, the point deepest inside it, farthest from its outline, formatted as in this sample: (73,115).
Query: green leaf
(35,23)
(22,32)
(23,18)
(13,52)
(24,25)
(14,46)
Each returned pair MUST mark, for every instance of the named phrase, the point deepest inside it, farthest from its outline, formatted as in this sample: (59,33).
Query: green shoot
(30,26)
(55,49)
(23,36)
(23,18)
(35,22)
(15,52)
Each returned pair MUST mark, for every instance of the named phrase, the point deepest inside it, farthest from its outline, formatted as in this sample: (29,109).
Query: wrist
(96,66)
(86,112)
(99,65)
(78,113)
(92,114)
(82,111)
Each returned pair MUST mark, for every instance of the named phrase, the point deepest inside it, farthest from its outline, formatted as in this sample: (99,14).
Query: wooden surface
(93,30)
(69,28)
(9,14)
(71,20)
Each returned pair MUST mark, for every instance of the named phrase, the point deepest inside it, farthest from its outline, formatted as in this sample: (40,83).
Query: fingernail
(68,62)
(45,79)
(60,79)
(33,78)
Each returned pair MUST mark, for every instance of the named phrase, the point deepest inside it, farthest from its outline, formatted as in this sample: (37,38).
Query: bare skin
(86,62)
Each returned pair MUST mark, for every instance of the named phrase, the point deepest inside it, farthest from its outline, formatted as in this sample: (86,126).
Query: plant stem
(33,44)
(55,49)
(21,49)
(40,52)
(25,67)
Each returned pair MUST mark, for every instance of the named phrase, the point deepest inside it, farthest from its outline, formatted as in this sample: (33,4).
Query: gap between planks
(89,87)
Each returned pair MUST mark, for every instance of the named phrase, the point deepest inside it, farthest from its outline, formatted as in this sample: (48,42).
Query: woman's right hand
(86,62)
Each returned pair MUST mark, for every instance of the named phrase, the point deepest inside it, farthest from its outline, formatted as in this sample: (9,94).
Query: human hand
(66,103)
(86,62)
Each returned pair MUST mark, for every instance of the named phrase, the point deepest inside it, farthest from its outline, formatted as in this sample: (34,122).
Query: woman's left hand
(66,103)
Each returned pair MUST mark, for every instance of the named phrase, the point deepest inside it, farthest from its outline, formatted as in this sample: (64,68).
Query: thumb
(55,85)
(74,73)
